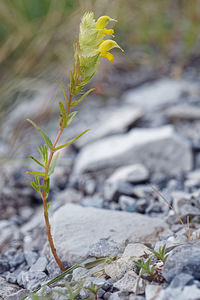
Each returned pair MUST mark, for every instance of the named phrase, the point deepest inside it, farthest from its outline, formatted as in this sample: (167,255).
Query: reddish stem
(45,196)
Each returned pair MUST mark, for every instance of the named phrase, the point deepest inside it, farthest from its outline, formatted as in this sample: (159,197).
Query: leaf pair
(43,152)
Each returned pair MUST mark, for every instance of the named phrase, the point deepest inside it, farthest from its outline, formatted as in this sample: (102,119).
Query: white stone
(160,150)
(157,94)
(152,291)
(77,229)
(132,252)
(133,173)
(131,283)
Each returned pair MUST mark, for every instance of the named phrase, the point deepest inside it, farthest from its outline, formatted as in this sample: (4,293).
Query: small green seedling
(74,294)
(145,267)
(161,254)
(94,290)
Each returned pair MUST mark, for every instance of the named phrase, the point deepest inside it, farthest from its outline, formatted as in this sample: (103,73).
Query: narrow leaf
(41,150)
(64,92)
(37,161)
(63,115)
(34,186)
(45,154)
(95,263)
(43,174)
(70,141)
(71,117)
(74,103)
(53,164)
(45,136)
(37,181)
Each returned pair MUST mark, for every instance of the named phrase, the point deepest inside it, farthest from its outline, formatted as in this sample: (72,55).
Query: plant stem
(45,196)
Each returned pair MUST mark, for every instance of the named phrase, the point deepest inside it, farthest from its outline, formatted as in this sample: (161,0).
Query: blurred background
(160,38)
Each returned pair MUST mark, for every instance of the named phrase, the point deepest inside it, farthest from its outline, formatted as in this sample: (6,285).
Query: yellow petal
(108,55)
(102,22)
(107,45)
(107,31)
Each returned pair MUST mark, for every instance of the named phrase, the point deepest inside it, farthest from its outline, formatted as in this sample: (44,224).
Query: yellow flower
(107,45)
(91,44)
(102,22)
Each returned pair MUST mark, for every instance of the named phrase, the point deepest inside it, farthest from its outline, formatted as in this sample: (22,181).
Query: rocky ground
(104,206)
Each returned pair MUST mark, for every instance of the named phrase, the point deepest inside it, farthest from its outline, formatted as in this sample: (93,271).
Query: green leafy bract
(45,136)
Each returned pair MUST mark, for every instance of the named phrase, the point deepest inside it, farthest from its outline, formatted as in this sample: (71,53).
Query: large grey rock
(160,150)
(183,259)
(157,94)
(77,229)
(118,121)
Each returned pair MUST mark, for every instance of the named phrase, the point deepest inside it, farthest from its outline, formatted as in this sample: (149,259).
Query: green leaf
(32,183)
(41,150)
(37,181)
(45,154)
(95,263)
(64,92)
(37,161)
(53,164)
(70,141)
(71,117)
(42,174)
(74,103)
(45,136)
(63,115)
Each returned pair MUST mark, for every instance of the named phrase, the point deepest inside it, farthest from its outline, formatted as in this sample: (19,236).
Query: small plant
(74,294)
(89,47)
(94,290)
(145,267)
(161,254)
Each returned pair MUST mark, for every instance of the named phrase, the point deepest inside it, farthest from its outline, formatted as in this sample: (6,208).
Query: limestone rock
(157,94)
(133,173)
(160,150)
(77,229)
